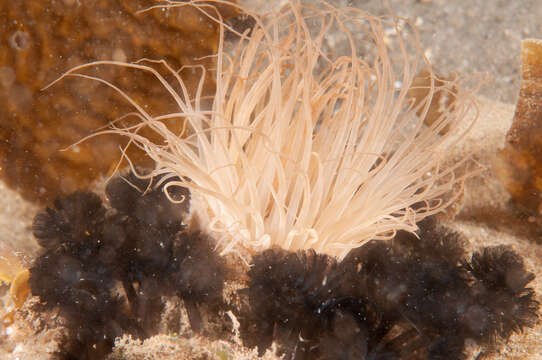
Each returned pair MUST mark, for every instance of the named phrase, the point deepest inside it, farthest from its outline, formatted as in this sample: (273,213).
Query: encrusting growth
(301,149)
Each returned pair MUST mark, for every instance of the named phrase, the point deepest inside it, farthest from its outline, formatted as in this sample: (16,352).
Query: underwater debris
(440,100)
(406,298)
(107,271)
(46,38)
(19,289)
(519,164)
(14,273)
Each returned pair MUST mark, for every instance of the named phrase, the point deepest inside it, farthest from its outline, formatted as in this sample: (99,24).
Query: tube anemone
(300,148)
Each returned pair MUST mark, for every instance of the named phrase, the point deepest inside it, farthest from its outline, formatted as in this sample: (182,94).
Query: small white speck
(428,54)
(9,330)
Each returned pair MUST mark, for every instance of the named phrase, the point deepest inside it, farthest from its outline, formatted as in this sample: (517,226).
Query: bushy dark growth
(157,255)
(286,290)
(75,222)
(198,272)
(107,271)
(134,196)
(298,300)
(447,347)
(70,276)
(407,298)
(501,292)
(430,273)
(345,340)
